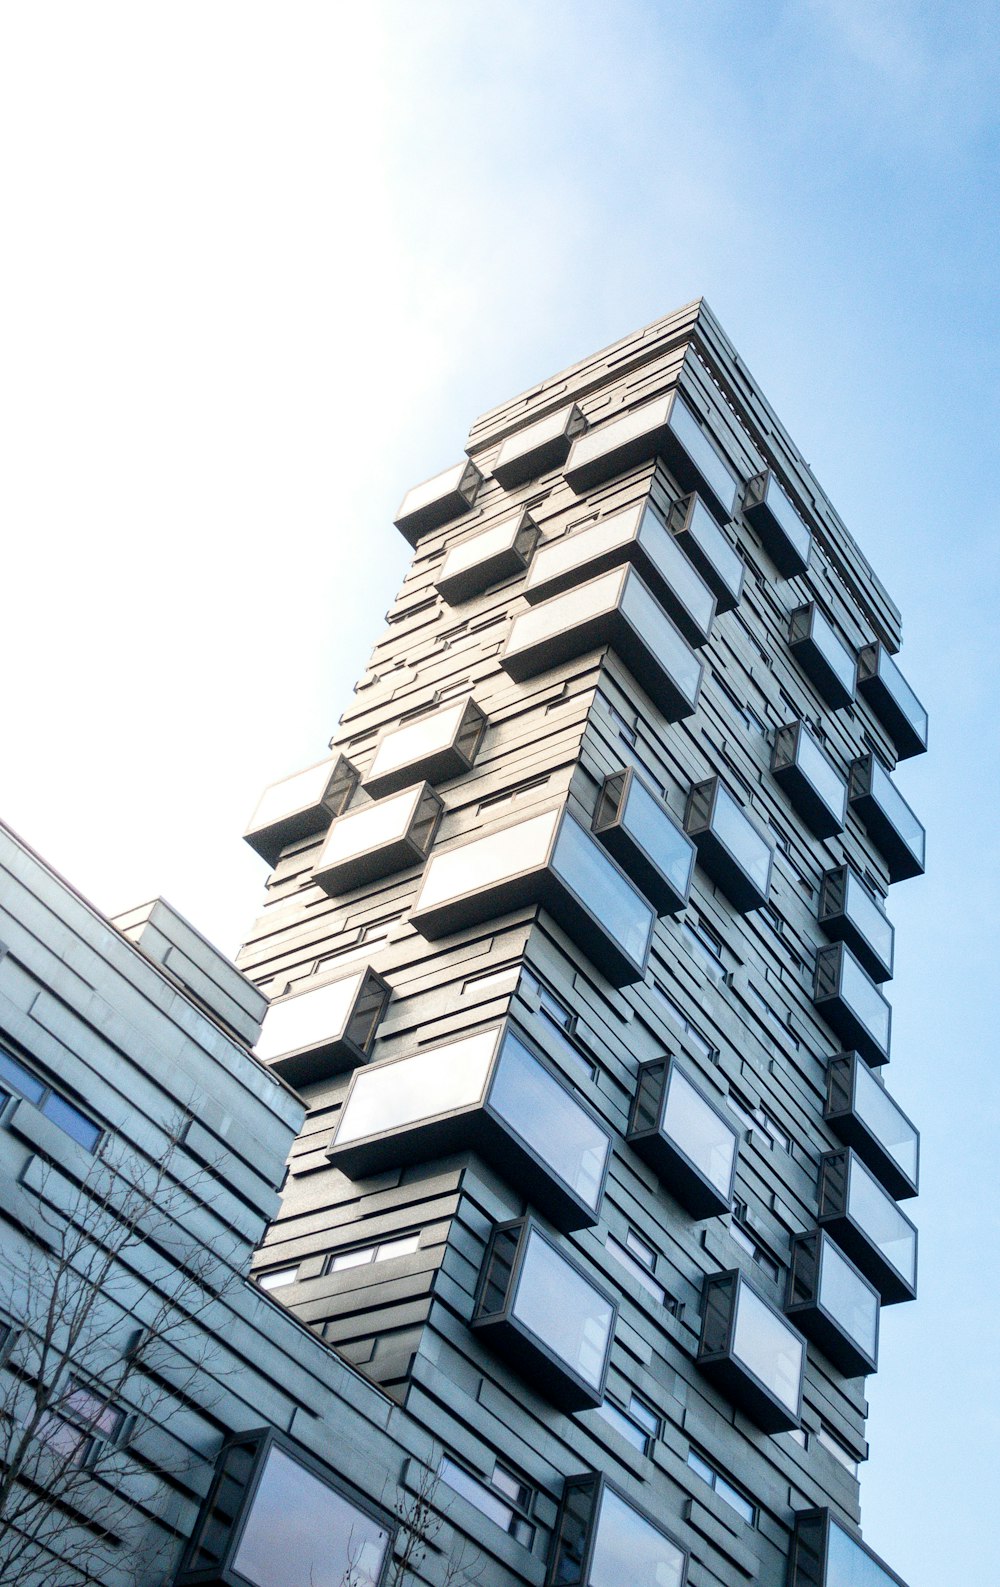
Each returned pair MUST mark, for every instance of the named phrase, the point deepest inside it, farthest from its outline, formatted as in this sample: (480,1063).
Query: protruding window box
(638,536)
(730,849)
(636,827)
(300,806)
(812,783)
(700,537)
(489,1093)
(783,535)
(616,609)
(664,428)
(826,1554)
(852,1004)
(822,656)
(751,1352)
(538,449)
(321,1030)
(378,839)
(436,501)
(833,1303)
(881,683)
(538,1308)
(887,818)
(862,1113)
(274,1514)
(436,747)
(866,1223)
(602,1540)
(687,1141)
(848,913)
(475,565)
(550,860)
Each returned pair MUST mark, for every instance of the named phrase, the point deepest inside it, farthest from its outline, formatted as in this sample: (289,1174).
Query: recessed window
(384,1251)
(721,1485)
(493,1499)
(639,1269)
(78,1420)
(696,1039)
(52,1104)
(840,1452)
(638,1423)
(706,946)
(758,1254)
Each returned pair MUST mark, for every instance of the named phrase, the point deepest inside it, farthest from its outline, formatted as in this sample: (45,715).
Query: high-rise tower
(577,945)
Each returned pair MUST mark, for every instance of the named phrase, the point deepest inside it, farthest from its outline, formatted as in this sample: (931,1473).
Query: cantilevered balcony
(833,1303)
(783,535)
(862,1113)
(615,609)
(491,1093)
(807,775)
(434,748)
(685,1138)
(887,818)
(665,428)
(700,537)
(852,1004)
(636,827)
(300,806)
(866,1223)
(320,1030)
(547,859)
(822,655)
(501,552)
(826,1554)
(751,1352)
(638,536)
(730,848)
(436,501)
(602,1540)
(849,913)
(539,448)
(881,683)
(537,1307)
(375,840)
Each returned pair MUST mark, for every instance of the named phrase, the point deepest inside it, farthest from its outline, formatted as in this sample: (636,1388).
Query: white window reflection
(394,1095)
(693,1125)
(302,1533)
(765,1344)
(564,1312)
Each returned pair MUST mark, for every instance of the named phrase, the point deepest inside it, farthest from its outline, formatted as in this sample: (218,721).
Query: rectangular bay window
(686,1139)
(751,1352)
(276,1517)
(866,1223)
(636,827)
(300,806)
(852,1004)
(862,1113)
(474,565)
(549,860)
(849,913)
(616,609)
(539,1309)
(701,539)
(730,848)
(783,535)
(602,1540)
(881,683)
(812,783)
(320,1030)
(539,448)
(434,748)
(436,501)
(638,536)
(822,655)
(833,1303)
(887,818)
(491,1093)
(826,1554)
(378,839)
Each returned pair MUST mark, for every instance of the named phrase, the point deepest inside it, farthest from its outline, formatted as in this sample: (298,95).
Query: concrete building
(575,947)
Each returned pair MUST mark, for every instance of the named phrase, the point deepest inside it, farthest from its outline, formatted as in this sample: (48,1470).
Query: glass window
(785,517)
(703,540)
(848,1299)
(304,790)
(300,1530)
(416,740)
(400,1093)
(22,1079)
(734,829)
(703,454)
(885,1226)
(487,1501)
(576,606)
(695,1126)
(485,547)
(824,777)
(51,1103)
(891,1128)
(620,909)
(724,1488)
(629,1549)
(482,863)
(811,627)
(315,1014)
(663,640)
(543,1113)
(565,1313)
(639,1270)
(865,1000)
(277,1278)
(765,1344)
(697,1040)
(653,828)
(370,827)
(843,1456)
(643,1252)
(361,1256)
(896,808)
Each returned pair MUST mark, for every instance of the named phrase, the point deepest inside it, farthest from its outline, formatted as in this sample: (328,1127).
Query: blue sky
(263,267)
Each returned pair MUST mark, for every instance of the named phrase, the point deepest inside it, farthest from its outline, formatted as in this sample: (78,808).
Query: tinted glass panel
(864,998)
(417,739)
(848,1299)
(876,1108)
(319,1015)
(394,1095)
(703,454)
(20,1078)
(630,1551)
(485,861)
(71,1121)
(765,1344)
(849,1565)
(300,1531)
(741,838)
(563,1311)
(896,808)
(371,827)
(611,899)
(877,1214)
(698,1130)
(652,828)
(547,1119)
(835,652)
(654,626)
(706,533)
(825,779)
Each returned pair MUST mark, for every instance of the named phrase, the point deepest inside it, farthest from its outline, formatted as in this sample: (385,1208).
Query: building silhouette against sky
(576,947)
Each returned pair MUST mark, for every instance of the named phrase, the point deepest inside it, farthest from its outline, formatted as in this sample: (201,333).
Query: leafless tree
(421,1519)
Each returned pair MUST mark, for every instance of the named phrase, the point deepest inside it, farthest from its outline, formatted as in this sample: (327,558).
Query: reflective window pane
(478,865)
(391,1096)
(612,900)
(671,650)
(319,1014)
(850,1565)
(764,1343)
(630,1551)
(369,827)
(416,740)
(741,838)
(821,773)
(703,453)
(698,1130)
(566,611)
(563,1311)
(71,1121)
(883,1223)
(848,1300)
(303,790)
(543,1113)
(891,1129)
(481,548)
(897,809)
(651,826)
(301,1531)
(865,1000)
